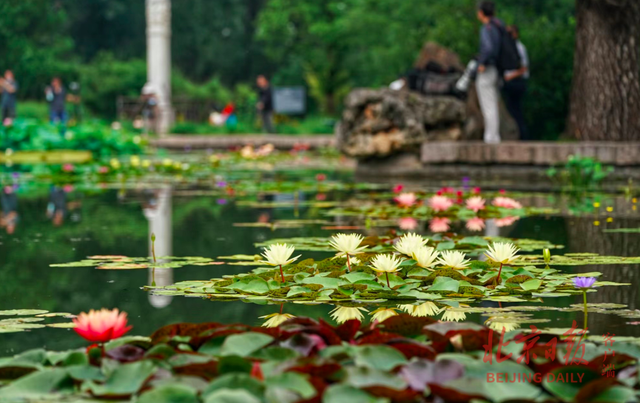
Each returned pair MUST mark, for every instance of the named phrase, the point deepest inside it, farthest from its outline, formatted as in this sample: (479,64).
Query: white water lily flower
(409,243)
(276,319)
(347,244)
(422,310)
(497,325)
(425,256)
(385,263)
(454,260)
(453,315)
(279,255)
(382,314)
(502,252)
(342,314)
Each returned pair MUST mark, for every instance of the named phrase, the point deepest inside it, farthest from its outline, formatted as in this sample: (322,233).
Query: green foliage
(581,173)
(94,136)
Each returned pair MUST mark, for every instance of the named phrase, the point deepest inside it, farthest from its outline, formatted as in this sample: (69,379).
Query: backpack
(508,56)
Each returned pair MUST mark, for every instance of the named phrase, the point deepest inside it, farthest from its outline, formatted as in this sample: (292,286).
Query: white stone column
(159,59)
(159,214)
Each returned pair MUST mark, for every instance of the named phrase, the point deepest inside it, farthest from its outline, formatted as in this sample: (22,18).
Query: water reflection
(9,203)
(157,208)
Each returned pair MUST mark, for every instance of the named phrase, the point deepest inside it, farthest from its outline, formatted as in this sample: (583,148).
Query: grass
(312,124)
(284,125)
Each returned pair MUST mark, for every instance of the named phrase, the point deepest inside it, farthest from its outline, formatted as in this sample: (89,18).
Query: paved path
(280,141)
(533,153)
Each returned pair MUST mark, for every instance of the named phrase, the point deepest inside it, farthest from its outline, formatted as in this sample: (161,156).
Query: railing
(130,108)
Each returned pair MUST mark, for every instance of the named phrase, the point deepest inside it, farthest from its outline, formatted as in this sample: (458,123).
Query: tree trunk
(605,99)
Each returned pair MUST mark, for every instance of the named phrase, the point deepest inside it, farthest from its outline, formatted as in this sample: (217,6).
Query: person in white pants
(487,81)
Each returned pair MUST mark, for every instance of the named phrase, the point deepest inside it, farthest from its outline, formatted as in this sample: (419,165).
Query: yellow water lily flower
(382,314)
(342,314)
(347,245)
(422,310)
(502,252)
(452,314)
(276,319)
(499,325)
(410,242)
(279,255)
(425,256)
(385,263)
(453,259)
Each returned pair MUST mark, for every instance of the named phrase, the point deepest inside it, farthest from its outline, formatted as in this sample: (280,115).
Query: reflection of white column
(159,217)
(159,58)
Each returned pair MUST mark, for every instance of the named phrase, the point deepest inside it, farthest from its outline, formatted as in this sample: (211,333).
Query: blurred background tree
(329,46)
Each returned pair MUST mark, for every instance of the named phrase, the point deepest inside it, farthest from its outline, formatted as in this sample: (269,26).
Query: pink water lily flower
(406,199)
(408,224)
(398,188)
(101,326)
(475,224)
(439,224)
(506,202)
(440,203)
(475,203)
(506,221)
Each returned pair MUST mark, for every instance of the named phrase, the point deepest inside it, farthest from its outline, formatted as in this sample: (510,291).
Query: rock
(379,123)
(432,53)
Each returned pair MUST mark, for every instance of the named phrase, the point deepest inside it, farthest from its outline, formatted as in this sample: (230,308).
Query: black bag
(508,56)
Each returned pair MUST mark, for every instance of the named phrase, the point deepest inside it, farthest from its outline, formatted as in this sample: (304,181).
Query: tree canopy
(330,46)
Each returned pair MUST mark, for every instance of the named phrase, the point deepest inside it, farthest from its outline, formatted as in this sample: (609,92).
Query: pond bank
(280,141)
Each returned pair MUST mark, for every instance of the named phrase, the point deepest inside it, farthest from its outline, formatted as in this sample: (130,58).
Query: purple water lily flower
(583,282)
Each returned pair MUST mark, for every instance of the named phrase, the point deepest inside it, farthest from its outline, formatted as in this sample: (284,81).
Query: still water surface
(188,224)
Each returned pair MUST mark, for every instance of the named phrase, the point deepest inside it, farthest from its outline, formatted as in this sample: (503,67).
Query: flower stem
(348,264)
(388,285)
(584,298)
(498,277)
(281,273)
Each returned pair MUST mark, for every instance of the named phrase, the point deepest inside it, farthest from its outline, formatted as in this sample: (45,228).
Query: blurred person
(57,206)
(515,85)
(149,98)
(9,204)
(488,79)
(56,96)
(8,102)
(265,103)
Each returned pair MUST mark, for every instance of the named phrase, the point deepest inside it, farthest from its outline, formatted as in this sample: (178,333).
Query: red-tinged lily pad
(347,331)
(377,336)
(399,396)
(566,382)
(407,325)
(594,388)
(420,373)
(108,257)
(126,353)
(412,349)
(166,333)
(317,369)
(207,370)
(452,395)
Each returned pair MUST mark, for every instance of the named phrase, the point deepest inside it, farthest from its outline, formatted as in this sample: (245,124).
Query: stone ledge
(528,153)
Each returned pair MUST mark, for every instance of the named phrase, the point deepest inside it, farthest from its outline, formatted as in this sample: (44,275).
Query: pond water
(196,221)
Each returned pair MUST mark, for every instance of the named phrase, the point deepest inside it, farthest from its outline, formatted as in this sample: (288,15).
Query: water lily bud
(547,255)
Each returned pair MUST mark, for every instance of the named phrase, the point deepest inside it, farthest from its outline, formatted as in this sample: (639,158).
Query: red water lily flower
(101,326)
